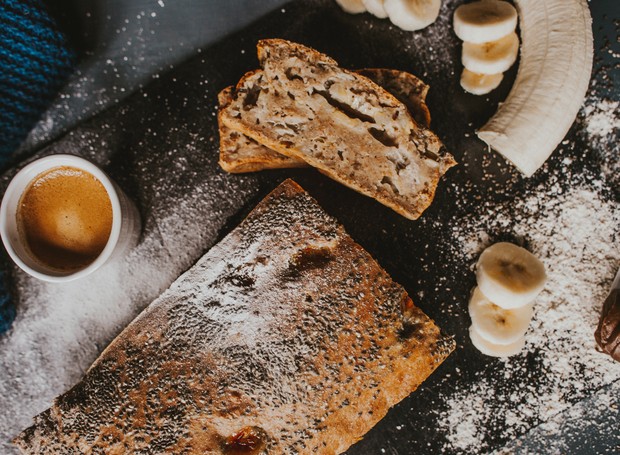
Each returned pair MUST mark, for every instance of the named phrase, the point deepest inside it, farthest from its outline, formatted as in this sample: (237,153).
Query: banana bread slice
(304,106)
(406,87)
(285,338)
(240,153)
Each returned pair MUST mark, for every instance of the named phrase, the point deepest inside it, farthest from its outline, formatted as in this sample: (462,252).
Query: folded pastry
(240,153)
(304,106)
(286,337)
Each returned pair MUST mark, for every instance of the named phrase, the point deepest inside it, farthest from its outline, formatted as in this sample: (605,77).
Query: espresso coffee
(65,218)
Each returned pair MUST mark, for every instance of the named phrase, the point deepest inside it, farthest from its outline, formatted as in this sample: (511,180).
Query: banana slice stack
(409,15)
(509,279)
(490,43)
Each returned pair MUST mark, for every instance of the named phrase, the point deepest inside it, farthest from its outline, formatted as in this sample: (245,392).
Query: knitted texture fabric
(35,60)
(7,308)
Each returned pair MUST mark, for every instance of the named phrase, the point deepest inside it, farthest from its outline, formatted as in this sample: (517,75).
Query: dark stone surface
(143,138)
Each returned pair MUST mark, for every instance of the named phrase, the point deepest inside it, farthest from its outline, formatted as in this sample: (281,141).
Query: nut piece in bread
(239,153)
(304,106)
(286,337)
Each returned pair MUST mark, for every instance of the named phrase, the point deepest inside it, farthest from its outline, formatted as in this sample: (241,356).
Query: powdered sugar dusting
(575,233)
(260,317)
(572,424)
(603,118)
(602,125)
(571,221)
(64,327)
(60,330)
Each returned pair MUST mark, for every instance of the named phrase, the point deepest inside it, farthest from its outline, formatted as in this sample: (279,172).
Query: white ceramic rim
(18,185)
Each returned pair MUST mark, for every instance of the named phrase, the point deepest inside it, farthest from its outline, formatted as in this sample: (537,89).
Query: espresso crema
(65,218)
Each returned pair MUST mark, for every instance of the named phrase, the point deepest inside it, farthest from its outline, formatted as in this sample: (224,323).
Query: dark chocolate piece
(608,331)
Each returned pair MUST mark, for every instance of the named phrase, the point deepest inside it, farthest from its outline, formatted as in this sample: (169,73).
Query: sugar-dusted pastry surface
(286,336)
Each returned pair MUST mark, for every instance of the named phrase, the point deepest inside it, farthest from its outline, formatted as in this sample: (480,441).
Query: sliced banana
(492,57)
(375,7)
(484,21)
(496,324)
(554,72)
(352,6)
(510,276)
(495,350)
(412,15)
(480,84)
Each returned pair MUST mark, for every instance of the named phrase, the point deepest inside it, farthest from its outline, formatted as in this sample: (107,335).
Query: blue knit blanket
(35,60)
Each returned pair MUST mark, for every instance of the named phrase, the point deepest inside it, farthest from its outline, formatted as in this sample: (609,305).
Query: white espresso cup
(124,233)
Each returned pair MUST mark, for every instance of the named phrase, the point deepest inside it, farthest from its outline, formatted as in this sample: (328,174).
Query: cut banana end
(484,21)
(495,350)
(496,324)
(509,276)
(492,57)
(375,7)
(412,15)
(352,6)
(554,72)
(480,84)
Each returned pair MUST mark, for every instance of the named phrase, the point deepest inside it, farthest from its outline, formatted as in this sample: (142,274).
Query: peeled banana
(375,7)
(496,324)
(510,276)
(553,76)
(412,14)
(490,43)
(352,6)
(407,14)
(480,84)
(495,350)
(492,57)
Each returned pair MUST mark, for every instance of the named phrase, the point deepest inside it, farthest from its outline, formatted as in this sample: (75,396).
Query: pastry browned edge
(286,337)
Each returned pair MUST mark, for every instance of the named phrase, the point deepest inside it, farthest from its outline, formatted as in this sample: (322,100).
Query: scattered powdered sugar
(126,45)
(463,424)
(571,222)
(602,125)
(579,428)
(61,328)
(575,233)
(603,118)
